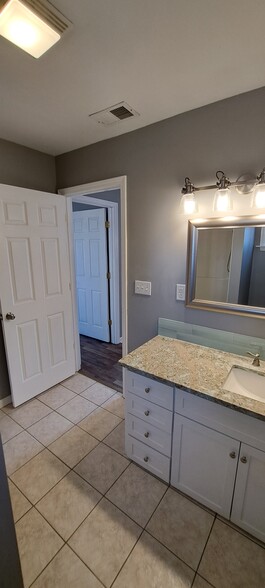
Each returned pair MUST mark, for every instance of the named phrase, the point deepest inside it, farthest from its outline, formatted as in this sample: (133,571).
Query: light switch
(180,292)
(142,288)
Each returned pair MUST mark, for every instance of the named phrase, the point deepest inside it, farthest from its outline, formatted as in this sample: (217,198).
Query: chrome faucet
(256,360)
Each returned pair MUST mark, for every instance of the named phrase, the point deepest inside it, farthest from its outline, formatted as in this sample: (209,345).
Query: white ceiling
(163,57)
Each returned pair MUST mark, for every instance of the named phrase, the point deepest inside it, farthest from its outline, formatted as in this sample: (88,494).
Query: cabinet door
(248,509)
(204,464)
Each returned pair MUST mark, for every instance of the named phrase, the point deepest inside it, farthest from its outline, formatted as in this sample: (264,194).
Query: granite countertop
(196,369)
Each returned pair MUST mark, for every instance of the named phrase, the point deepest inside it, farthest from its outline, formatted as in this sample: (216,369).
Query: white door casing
(91,266)
(73,193)
(35,288)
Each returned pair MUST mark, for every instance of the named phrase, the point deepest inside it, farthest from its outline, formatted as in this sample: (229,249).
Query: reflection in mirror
(227,266)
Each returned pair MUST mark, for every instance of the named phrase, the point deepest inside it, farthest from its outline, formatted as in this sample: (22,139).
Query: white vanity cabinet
(218,458)
(148,423)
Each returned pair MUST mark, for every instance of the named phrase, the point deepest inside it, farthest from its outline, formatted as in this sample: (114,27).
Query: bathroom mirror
(226,265)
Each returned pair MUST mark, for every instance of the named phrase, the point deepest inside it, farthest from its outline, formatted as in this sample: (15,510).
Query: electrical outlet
(142,288)
(180,292)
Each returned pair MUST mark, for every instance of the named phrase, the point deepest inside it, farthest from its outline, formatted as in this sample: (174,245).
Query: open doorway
(98,350)
(97,246)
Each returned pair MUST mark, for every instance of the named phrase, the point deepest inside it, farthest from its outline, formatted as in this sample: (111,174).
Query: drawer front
(151,436)
(152,390)
(149,412)
(221,418)
(148,458)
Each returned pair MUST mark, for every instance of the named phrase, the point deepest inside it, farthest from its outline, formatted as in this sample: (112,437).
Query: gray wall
(227,135)
(20,166)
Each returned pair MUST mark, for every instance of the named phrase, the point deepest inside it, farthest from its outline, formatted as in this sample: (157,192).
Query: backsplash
(223,340)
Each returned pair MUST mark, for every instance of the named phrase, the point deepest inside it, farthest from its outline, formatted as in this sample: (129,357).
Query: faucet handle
(256,356)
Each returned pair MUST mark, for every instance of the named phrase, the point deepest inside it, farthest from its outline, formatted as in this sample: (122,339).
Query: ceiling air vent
(114,114)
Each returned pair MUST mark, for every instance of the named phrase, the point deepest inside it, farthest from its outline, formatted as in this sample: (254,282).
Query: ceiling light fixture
(33,25)
(223,198)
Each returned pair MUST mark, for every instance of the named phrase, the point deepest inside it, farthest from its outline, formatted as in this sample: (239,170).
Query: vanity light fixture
(259,191)
(32,25)
(189,203)
(223,198)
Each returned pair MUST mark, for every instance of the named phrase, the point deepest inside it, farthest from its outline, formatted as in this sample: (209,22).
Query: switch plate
(142,288)
(180,292)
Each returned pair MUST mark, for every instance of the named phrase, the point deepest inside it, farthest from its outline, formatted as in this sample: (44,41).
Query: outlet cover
(180,292)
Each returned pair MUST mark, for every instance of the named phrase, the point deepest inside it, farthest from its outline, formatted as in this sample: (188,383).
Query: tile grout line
(206,543)
(237,529)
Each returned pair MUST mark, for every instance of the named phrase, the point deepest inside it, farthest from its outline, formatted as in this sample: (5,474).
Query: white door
(91,265)
(204,464)
(35,290)
(248,509)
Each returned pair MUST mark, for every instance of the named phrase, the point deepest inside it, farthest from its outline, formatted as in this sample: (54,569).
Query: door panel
(51,266)
(34,286)
(248,505)
(204,464)
(91,273)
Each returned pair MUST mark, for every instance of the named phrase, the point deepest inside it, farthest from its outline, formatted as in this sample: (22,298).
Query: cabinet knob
(232,454)
(146,459)
(146,434)
(147,390)
(243,459)
(147,412)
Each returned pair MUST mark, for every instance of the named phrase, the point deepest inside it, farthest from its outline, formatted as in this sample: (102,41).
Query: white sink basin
(246,382)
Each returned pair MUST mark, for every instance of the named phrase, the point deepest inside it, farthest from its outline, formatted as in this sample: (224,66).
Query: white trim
(5,401)
(114,261)
(74,192)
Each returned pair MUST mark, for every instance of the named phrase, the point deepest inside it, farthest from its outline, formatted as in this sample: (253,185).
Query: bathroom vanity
(186,428)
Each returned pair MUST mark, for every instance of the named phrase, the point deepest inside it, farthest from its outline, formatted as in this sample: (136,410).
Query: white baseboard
(5,401)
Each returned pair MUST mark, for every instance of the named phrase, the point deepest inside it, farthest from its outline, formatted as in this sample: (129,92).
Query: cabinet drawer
(154,391)
(151,436)
(148,458)
(221,418)
(149,412)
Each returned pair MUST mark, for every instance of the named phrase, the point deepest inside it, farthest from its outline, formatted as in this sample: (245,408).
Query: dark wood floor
(99,361)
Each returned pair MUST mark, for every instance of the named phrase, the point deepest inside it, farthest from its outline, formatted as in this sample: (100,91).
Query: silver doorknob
(147,412)
(147,390)
(146,458)
(232,454)
(243,459)
(146,434)
(10,316)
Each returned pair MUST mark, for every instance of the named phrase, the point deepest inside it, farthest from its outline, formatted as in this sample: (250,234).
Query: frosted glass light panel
(25,29)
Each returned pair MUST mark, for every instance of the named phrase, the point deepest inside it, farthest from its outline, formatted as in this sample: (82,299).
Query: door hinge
(110,322)
(70,286)
(108,275)
(107,224)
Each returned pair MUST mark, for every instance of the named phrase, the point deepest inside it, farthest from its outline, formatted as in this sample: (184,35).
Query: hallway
(99,360)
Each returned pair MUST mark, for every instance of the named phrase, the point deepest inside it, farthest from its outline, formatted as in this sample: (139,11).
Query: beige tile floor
(86,517)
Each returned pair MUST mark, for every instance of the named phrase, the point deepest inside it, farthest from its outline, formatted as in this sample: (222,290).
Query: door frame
(84,190)
(114,269)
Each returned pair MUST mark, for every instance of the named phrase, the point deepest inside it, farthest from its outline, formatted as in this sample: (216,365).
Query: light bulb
(259,196)
(222,200)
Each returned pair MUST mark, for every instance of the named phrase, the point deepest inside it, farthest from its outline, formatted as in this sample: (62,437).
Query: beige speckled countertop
(196,369)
